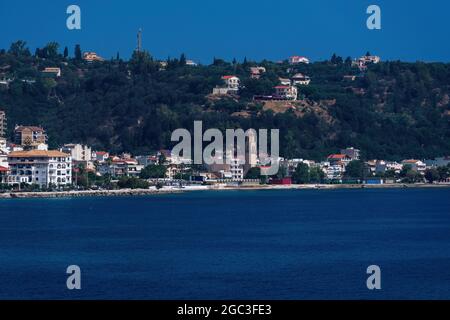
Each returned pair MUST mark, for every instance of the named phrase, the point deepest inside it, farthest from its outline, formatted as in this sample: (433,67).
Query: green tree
(154,172)
(19,49)
(253,173)
(132,183)
(143,63)
(51,50)
(355,169)
(316,175)
(301,174)
(66,52)
(78,54)
(182,60)
(444,172)
(432,175)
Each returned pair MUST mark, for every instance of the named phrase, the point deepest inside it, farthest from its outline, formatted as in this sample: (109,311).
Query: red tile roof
(37,153)
(337,156)
(228,77)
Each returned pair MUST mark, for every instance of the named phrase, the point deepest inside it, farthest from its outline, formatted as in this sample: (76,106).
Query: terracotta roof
(337,156)
(37,153)
(410,161)
(3,169)
(228,77)
(33,128)
(281,87)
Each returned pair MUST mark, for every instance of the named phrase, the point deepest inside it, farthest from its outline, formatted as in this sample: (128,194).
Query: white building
(286,92)
(40,167)
(352,153)
(4,158)
(52,71)
(232,84)
(256,72)
(237,170)
(364,61)
(298,59)
(334,172)
(191,63)
(301,79)
(285,82)
(78,152)
(100,156)
(416,165)
(121,167)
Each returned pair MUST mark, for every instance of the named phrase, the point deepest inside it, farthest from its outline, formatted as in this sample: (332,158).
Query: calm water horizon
(287,244)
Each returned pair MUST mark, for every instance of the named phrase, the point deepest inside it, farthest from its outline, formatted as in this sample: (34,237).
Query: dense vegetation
(395,110)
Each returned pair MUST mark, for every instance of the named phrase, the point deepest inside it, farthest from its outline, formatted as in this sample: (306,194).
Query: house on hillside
(256,72)
(52,72)
(301,79)
(91,57)
(298,59)
(231,86)
(286,93)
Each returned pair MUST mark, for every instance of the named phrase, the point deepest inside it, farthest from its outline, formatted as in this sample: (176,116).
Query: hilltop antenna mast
(139,40)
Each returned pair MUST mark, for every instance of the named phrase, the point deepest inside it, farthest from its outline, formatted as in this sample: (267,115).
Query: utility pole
(139,41)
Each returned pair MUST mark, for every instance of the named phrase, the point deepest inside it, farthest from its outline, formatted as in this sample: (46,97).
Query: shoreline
(173,190)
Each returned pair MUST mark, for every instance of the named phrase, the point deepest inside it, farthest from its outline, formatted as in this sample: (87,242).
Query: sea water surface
(290,244)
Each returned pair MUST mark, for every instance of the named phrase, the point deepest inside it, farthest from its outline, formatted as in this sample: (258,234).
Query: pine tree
(182,60)
(66,52)
(78,52)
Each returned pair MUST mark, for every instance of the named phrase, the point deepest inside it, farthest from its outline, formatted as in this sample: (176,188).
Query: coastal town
(28,165)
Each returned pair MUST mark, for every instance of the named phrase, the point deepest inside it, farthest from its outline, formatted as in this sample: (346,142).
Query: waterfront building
(121,167)
(237,170)
(40,167)
(334,171)
(341,159)
(383,166)
(416,165)
(4,158)
(3,174)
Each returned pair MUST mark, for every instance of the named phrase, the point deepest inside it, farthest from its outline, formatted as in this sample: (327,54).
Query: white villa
(301,79)
(286,92)
(232,84)
(40,167)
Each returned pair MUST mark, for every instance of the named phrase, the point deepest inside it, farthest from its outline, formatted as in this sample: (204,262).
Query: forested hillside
(394,110)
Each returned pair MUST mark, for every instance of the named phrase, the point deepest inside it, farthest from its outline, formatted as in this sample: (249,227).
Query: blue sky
(411,30)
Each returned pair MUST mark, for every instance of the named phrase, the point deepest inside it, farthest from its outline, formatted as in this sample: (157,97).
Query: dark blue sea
(299,244)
